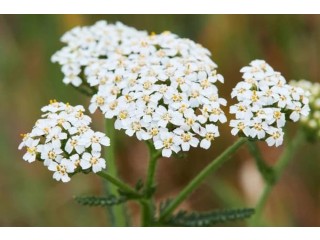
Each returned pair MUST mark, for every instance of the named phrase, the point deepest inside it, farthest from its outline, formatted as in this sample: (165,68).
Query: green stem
(118,183)
(265,170)
(117,213)
(278,170)
(147,214)
(153,157)
(213,166)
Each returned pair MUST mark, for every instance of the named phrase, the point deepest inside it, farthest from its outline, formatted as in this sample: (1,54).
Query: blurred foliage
(29,196)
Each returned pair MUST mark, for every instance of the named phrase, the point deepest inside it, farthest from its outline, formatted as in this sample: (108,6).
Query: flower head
(62,140)
(311,123)
(155,86)
(265,103)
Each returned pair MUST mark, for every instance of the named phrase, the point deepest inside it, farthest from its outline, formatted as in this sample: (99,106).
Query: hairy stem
(278,170)
(212,167)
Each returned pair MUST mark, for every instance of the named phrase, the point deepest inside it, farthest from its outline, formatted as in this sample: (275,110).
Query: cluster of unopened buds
(311,123)
(64,142)
(265,103)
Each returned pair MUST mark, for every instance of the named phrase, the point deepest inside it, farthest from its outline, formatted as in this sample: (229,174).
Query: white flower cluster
(265,103)
(311,123)
(64,141)
(158,87)
(86,45)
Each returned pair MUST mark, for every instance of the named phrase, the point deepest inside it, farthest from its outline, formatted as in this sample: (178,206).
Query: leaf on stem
(206,219)
(101,201)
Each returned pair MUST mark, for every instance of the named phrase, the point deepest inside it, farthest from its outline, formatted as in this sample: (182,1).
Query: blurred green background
(30,197)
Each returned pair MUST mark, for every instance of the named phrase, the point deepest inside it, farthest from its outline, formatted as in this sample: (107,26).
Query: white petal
(205,144)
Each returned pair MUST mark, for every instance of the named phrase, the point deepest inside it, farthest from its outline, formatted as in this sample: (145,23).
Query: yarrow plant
(163,90)
(64,142)
(265,103)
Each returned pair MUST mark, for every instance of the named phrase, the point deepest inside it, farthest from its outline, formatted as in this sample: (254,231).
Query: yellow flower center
(167,143)
(209,136)
(240,126)
(31,150)
(277,115)
(93,160)
(100,101)
(176,97)
(154,132)
(113,105)
(95,139)
(136,126)
(52,155)
(147,85)
(258,126)
(186,137)
(189,121)
(61,169)
(205,83)
(123,114)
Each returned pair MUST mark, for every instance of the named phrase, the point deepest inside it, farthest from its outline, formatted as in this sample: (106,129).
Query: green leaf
(101,201)
(206,219)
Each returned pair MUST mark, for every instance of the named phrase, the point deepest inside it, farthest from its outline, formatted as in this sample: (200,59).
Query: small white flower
(276,137)
(168,142)
(92,160)
(95,140)
(32,150)
(258,128)
(74,144)
(61,170)
(187,139)
(51,152)
(210,132)
(241,126)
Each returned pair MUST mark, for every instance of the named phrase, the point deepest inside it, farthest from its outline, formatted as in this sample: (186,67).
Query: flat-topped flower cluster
(64,142)
(311,123)
(157,87)
(265,103)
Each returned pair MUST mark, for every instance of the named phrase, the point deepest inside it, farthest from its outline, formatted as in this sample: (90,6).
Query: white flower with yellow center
(168,142)
(93,161)
(94,140)
(209,133)
(62,169)
(275,137)
(187,139)
(32,150)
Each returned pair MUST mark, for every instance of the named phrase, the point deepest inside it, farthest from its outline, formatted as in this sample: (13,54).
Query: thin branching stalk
(118,183)
(212,167)
(283,161)
(265,170)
